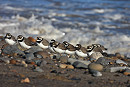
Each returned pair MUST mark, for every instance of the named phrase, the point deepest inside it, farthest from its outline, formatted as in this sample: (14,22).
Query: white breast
(59,50)
(24,45)
(81,54)
(90,53)
(42,46)
(70,52)
(10,42)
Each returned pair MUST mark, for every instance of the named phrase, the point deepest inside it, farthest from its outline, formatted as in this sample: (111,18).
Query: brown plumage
(79,47)
(61,46)
(70,47)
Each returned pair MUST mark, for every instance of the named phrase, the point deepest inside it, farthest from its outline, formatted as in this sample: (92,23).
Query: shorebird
(81,51)
(52,44)
(99,46)
(43,43)
(60,48)
(95,48)
(10,39)
(24,42)
(70,49)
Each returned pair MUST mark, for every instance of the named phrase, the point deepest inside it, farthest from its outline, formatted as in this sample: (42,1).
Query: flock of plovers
(55,46)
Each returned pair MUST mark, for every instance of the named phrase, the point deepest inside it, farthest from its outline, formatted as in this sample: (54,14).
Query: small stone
(127,72)
(78,64)
(29,56)
(42,63)
(7,61)
(70,67)
(63,66)
(38,69)
(42,54)
(96,55)
(121,62)
(26,80)
(95,66)
(103,61)
(38,62)
(115,69)
(32,63)
(12,61)
(25,65)
(111,63)
(21,75)
(63,59)
(95,72)
(53,71)
(23,62)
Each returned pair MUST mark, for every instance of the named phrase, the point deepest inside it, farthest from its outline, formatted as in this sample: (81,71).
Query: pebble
(95,66)
(12,61)
(23,62)
(53,71)
(72,60)
(115,69)
(103,61)
(29,56)
(7,61)
(63,66)
(121,62)
(41,54)
(78,64)
(26,80)
(63,59)
(127,72)
(12,49)
(96,55)
(38,69)
(43,63)
(95,73)
(32,63)
(25,65)
(70,67)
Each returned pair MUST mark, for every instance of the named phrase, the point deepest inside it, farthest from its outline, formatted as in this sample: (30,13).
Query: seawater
(105,22)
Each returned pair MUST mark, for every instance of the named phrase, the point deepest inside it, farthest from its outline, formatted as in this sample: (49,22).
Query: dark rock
(28,61)
(53,71)
(12,49)
(34,49)
(78,64)
(38,69)
(103,61)
(38,62)
(76,79)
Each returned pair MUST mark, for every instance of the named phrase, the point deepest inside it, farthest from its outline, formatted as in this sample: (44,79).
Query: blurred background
(105,22)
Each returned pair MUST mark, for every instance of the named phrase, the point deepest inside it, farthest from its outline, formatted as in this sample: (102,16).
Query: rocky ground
(37,68)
